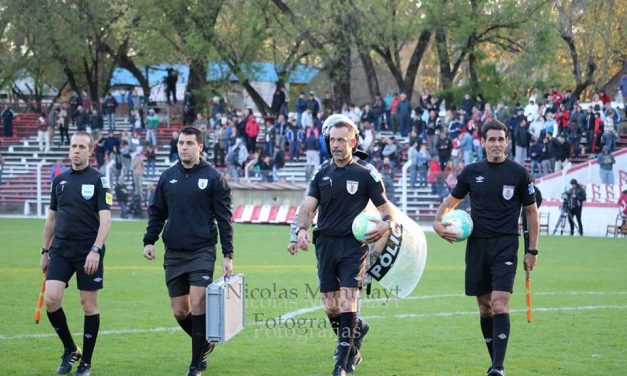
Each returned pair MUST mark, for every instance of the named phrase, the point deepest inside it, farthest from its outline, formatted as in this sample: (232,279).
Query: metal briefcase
(225,308)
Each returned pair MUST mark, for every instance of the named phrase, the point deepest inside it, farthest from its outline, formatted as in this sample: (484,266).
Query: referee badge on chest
(87,191)
(508,192)
(202,183)
(351,186)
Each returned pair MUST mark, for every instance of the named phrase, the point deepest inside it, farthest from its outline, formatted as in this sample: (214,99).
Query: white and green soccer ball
(460,224)
(363,224)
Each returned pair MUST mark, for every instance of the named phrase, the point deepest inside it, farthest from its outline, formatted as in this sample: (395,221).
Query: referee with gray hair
(339,191)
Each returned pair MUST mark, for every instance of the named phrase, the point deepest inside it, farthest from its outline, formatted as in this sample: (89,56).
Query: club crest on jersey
(508,192)
(202,183)
(351,186)
(87,191)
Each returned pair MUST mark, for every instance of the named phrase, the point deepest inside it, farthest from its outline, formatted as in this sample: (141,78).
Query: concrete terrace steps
(24,125)
(23,155)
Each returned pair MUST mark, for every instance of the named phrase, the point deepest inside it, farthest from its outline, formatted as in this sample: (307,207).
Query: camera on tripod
(566,201)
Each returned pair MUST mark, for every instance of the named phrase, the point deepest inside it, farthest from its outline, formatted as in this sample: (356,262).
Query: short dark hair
(495,125)
(192,131)
(86,134)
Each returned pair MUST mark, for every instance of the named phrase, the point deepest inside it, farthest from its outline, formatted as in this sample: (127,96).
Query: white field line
(104,332)
(291,315)
(298,312)
(467,313)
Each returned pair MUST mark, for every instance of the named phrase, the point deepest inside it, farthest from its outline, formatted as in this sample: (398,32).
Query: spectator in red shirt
(562,119)
(57,169)
(252,131)
(557,97)
(598,131)
(604,97)
(434,171)
(394,117)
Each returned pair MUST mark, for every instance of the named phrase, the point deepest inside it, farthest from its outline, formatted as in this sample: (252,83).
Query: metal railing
(406,166)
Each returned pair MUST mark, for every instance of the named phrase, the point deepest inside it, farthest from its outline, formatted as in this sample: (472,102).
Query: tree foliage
(488,46)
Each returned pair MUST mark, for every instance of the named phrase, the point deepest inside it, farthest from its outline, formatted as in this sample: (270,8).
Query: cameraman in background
(573,200)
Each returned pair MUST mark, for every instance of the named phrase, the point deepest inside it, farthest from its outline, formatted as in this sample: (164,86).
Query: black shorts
(341,262)
(491,264)
(68,257)
(188,268)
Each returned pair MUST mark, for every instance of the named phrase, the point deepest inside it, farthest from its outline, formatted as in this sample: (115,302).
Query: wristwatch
(229,255)
(44,250)
(96,249)
(533,252)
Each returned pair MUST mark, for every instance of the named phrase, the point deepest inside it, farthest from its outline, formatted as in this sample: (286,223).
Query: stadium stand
(22,158)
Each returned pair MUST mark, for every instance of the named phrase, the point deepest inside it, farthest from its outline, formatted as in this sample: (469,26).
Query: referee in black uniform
(76,228)
(191,197)
(498,187)
(339,191)
(360,157)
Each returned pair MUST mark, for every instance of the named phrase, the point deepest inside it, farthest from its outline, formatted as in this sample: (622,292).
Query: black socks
(348,322)
(90,333)
(59,323)
(335,323)
(186,324)
(500,338)
(487,328)
(199,341)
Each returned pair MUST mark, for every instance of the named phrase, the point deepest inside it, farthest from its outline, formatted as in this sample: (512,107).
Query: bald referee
(498,188)
(74,237)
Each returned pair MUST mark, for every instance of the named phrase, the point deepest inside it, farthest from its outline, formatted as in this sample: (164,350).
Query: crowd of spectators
(439,139)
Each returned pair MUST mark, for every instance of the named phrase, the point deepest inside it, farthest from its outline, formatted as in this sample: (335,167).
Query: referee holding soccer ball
(193,202)
(498,187)
(339,191)
(76,228)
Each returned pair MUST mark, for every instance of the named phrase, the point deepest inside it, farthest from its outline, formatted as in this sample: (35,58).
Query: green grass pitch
(579,327)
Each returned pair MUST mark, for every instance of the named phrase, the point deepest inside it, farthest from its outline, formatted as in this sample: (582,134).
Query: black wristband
(533,252)
(44,250)
(229,255)
(96,249)
(300,228)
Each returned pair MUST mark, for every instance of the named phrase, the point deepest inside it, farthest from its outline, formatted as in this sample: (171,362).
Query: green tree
(389,28)
(465,31)
(84,39)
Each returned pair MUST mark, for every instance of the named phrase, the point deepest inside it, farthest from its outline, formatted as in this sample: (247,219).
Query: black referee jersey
(78,196)
(343,193)
(190,202)
(497,192)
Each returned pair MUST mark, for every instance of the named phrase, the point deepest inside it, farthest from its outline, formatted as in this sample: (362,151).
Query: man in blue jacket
(403,111)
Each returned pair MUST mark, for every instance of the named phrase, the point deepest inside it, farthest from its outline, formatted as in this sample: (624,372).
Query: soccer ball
(461,224)
(363,224)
